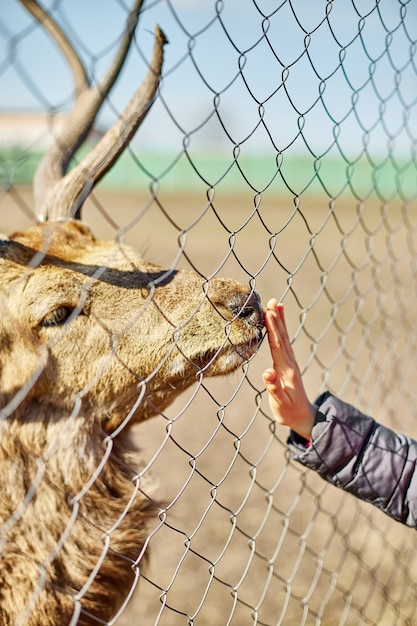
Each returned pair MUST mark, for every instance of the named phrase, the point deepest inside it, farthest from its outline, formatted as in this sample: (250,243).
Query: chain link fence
(280,151)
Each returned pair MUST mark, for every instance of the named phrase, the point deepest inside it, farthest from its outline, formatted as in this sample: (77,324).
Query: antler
(58,194)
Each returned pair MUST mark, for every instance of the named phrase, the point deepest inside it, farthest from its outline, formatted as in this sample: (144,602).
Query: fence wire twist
(281,151)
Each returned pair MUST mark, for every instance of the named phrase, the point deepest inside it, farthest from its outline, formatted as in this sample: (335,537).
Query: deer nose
(247,306)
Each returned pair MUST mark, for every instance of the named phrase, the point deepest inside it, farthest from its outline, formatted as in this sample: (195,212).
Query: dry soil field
(247,537)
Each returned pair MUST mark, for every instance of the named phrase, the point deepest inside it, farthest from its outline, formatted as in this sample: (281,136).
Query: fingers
(284,364)
(279,341)
(287,398)
(269,376)
(274,386)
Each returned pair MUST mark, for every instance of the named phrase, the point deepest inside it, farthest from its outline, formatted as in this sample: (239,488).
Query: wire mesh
(280,152)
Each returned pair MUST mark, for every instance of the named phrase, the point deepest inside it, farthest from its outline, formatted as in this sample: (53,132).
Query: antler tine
(74,188)
(55,197)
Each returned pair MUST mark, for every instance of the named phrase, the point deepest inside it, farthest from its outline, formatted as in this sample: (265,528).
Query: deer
(93,340)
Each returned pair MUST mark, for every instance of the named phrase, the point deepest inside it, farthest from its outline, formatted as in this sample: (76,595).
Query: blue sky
(276,75)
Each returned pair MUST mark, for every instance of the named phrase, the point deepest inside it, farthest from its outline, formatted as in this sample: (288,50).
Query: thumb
(269,376)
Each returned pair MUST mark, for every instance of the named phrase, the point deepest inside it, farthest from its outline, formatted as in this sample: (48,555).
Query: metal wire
(281,151)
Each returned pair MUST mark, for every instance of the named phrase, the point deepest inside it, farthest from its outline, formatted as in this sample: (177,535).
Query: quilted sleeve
(355,453)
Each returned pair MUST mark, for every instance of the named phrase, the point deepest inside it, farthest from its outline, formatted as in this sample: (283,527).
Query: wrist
(304,427)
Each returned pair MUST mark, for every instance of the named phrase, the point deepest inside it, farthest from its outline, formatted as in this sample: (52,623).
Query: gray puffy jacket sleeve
(352,451)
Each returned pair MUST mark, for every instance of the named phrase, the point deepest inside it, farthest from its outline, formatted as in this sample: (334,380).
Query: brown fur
(73,519)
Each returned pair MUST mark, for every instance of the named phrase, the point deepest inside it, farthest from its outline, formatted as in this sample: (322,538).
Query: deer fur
(92,340)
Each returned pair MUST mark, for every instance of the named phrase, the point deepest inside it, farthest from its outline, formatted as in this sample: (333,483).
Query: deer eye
(58,317)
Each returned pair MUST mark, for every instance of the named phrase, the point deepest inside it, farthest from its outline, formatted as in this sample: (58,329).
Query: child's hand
(287,397)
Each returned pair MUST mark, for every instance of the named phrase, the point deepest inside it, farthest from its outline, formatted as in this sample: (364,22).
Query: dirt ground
(247,537)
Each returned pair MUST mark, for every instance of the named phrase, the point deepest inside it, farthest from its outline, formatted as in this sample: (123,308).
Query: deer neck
(75,492)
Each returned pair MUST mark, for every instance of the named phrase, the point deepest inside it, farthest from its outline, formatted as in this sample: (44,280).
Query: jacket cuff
(336,437)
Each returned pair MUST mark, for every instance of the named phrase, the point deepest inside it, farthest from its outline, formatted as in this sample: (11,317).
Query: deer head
(93,338)
(111,329)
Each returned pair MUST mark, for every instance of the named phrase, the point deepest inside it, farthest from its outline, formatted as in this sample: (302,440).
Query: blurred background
(281,151)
